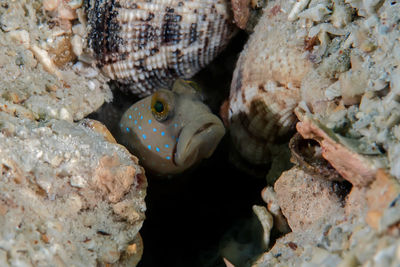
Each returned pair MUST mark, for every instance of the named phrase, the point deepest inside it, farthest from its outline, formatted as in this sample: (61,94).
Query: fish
(171,130)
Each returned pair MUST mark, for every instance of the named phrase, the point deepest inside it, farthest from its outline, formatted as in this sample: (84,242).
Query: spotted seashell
(147,44)
(265,86)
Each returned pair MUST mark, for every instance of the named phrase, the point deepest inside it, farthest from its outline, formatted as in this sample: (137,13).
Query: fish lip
(198,131)
(175,148)
(203,128)
(198,140)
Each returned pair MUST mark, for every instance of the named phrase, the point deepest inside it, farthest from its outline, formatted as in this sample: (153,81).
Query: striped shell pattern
(147,44)
(265,87)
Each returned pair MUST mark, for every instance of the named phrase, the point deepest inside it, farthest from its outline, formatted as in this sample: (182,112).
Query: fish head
(170,131)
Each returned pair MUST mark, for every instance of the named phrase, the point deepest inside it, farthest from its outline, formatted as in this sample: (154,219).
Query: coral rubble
(68,196)
(39,77)
(341,198)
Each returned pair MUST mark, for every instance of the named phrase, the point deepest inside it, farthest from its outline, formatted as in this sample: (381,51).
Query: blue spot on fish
(130,117)
(141,117)
(149,121)
(154,130)
(166,146)
(149,146)
(144,136)
(127,129)
(135,121)
(162,133)
(157,149)
(175,125)
(140,127)
(168,157)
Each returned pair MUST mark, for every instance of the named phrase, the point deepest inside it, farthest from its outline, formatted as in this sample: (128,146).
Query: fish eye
(162,104)
(159,106)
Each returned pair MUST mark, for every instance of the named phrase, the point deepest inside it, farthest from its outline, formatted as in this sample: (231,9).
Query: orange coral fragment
(352,166)
(101,129)
(113,179)
(382,193)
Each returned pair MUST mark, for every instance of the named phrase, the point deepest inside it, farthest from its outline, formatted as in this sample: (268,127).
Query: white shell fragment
(297,8)
(148,44)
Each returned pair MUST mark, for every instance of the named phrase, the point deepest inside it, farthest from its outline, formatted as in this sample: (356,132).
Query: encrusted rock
(68,196)
(39,78)
(269,196)
(353,86)
(383,201)
(344,157)
(304,199)
(349,106)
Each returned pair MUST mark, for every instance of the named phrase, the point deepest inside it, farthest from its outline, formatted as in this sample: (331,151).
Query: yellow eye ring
(162,104)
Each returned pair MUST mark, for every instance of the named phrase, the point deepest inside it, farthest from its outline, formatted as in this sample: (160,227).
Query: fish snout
(198,139)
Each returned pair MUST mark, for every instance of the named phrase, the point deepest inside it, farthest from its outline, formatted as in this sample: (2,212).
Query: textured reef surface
(313,103)
(70,195)
(327,70)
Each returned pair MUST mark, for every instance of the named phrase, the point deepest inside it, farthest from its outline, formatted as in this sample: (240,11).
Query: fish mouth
(198,140)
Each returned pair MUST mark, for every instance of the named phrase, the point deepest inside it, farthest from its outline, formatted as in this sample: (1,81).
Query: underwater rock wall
(340,198)
(39,80)
(327,69)
(70,195)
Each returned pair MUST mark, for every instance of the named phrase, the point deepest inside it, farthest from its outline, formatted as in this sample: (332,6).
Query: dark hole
(187,216)
(342,189)
(100,232)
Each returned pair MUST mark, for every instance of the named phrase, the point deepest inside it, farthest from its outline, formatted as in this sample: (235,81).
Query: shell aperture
(170,131)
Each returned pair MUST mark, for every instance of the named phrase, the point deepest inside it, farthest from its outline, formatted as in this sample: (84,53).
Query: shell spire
(147,44)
